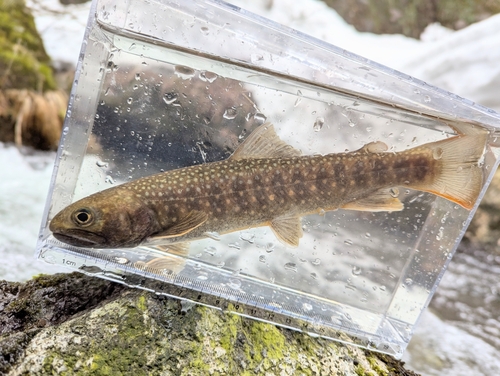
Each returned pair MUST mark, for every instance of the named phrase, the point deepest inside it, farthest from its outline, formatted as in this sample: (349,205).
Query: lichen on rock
(71,324)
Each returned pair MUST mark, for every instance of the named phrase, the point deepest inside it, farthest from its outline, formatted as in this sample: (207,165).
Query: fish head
(108,219)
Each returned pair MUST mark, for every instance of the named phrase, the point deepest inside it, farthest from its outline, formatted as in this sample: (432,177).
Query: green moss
(230,332)
(141,303)
(265,342)
(376,367)
(123,353)
(360,371)
(46,280)
(23,60)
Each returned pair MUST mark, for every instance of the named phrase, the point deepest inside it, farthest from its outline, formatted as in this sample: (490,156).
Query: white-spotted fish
(267,182)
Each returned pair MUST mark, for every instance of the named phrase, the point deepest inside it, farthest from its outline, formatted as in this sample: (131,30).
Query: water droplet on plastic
(356,270)
(184,72)
(316,261)
(368,235)
(307,307)
(256,58)
(348,242)
(247,237)
(230,113)
(409,281)
(129,100)
(121,260)
(383,288)
(234,283)
(394,192)
(437,153)
(169,98)
(205,30)
(270,247)
(221,264)
(262,258)
(132,133)
(101,164)
(260,118)
(208,76)
(109,180)
(202,277)
(318,124)
(242,134)
(291,266)
(439,235)
(297,102)
(427,99)
(137,76)
(234,245)
(313,276)
(210,250)
(66,130)
(351,123)
(213,235)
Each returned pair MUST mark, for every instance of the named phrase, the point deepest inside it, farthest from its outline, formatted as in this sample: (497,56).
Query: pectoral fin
(184,225)
(287,229)
(381,200)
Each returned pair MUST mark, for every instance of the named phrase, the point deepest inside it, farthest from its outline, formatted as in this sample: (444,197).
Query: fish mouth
(80,238)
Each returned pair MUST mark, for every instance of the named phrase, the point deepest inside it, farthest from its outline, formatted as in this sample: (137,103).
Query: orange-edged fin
(458,176)
(288,229)
(263,142)
(381,200)
(184,225)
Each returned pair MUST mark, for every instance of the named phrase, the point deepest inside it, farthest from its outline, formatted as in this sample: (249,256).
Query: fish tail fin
(458,178)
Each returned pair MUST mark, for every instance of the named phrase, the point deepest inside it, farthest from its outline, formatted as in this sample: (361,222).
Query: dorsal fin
(264,143)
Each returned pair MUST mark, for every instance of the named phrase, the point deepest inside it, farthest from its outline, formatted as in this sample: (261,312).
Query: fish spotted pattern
(266,182)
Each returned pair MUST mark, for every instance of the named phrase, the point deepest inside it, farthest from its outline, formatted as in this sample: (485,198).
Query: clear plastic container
(163,85)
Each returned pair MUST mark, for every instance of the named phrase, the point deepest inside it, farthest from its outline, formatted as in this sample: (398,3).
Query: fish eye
(83,217)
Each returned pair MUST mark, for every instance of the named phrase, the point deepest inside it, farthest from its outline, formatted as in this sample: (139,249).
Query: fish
(267,182)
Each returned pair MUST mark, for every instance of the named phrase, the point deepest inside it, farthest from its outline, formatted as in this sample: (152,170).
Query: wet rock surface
(74,324)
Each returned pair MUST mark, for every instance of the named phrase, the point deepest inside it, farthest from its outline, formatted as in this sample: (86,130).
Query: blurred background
(452,44)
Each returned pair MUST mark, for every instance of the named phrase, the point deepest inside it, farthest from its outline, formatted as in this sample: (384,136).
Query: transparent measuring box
(299,184)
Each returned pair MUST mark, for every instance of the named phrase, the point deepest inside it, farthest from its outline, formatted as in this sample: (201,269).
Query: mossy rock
(71,324)
(411,17)
(23,60)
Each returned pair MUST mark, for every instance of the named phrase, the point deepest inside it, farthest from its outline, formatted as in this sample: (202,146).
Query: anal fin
(381,200)
(164,264)
(288,229)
